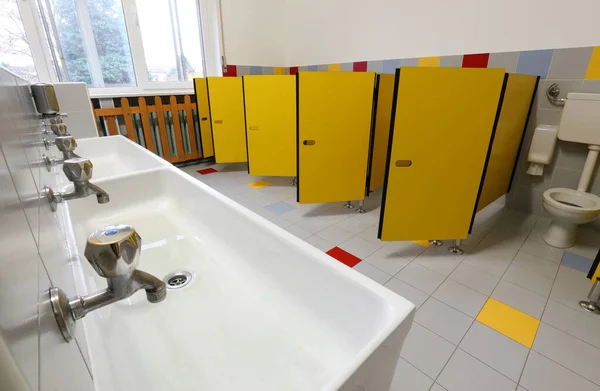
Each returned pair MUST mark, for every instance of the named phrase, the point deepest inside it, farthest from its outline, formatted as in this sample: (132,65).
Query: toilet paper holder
(552,93)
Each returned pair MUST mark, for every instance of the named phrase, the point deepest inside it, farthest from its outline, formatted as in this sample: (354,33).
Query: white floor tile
(335,235)
(465,373)
(319,243)
(527,279)
(460,297)
(386,259)
(568,351)
(441,262)
(577,323)
(360,247)
(408,250)
(354,224)
(299,232)
(294,216)
(443,320)
(313,225)
(407,377)
(496,350)
(474,278)
(543,250)
(570,287)
(494,266)
(283,223)
(421,278)
(542,224)
(408,292)
(520,298)
(585,250)
(372,272)
(426,350)
(437,387)
(542,374)
(535,264)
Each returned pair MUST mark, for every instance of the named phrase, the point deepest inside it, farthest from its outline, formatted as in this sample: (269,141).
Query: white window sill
(107,93)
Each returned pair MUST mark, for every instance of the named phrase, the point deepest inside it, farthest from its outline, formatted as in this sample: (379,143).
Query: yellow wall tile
(333,67)
(593,71)
(429,62)
(509,321)
(279,71)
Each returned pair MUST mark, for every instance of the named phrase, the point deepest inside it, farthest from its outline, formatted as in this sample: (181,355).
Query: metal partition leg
(593,305)
(360,207)
(456,248)
(436,242)
(294,182)
(349,205)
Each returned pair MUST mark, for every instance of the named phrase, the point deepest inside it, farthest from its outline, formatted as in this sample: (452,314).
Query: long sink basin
(264,310)
(113,156)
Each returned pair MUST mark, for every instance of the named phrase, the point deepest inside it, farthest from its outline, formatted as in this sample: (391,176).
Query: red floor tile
(205,171)
(343,256)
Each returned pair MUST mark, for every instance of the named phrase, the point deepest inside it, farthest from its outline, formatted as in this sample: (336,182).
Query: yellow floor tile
(423,243)
(259,184)
(506,320)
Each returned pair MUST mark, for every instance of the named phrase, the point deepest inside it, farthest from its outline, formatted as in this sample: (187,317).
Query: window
(118,45)
(15,54)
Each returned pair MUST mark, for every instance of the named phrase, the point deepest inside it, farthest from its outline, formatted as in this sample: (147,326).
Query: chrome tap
(114,253)
(65,144)
(78,171)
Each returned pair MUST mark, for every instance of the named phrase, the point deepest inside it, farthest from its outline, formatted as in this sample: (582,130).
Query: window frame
(210,38)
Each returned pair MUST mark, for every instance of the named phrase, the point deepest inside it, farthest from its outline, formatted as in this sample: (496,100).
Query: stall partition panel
(516,107)
(334,130)
(271,124)
(443,123)
(202,102)
(228,122)
(381,136)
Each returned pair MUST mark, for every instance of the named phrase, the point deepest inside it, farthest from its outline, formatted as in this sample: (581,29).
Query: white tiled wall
(33,256)
(569,158)
(74,100)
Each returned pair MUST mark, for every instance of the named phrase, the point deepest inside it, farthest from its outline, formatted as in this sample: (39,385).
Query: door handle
(203,118)
(309,142)
(218,121)
(403,163)
(253,128)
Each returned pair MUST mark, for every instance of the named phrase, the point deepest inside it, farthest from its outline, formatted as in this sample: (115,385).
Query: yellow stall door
(271,124)
(442,129)
(381,136)
(228,123)
(201,89)
(334,128)
(516,105)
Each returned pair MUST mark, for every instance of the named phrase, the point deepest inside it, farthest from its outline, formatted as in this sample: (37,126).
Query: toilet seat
(572,200)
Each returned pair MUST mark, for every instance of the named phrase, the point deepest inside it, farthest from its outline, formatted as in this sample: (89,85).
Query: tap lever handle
(78,169)
(114,250)
(66,143)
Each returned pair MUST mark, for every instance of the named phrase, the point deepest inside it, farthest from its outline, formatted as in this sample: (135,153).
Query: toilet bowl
(568,209)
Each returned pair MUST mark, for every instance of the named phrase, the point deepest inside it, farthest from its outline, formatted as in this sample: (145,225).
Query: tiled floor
(502,316)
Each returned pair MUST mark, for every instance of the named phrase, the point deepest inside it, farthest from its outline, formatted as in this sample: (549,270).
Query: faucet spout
(82,190)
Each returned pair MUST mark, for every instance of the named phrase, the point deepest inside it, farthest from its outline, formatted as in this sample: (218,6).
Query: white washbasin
(113,156)
(265,310)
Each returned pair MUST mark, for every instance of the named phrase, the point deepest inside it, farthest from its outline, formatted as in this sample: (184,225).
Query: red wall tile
(343,256)
(231,71)
(359,66)
(475,60)
(293,70)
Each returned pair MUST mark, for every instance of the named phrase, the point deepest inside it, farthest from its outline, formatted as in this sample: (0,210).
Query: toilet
(568,208)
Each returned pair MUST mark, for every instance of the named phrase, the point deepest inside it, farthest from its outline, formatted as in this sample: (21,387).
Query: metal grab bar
(552,93)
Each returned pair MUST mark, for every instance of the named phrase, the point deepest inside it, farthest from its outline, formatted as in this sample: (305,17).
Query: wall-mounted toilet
(580,123)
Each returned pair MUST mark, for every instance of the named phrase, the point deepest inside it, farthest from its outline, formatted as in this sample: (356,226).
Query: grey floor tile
(354,225)
(489,264)
(299,232)
(529,280)
(360,247)
(372,272)
(408,377)
(437,387)
(386,259)
(439,260)
(543,374)
(313,225)
(335,235)
(319,243)
(443,320)
(568,351)
(521,389)
(496,350)
(474,278)
(280,207)
(577,262)
(281,222)
(421,278)
(537,265)
(426,350)
(408,250)
(520,298)
(408,292)
(465,373)
(578,323)
(543,250)
(460,297)
(570,287)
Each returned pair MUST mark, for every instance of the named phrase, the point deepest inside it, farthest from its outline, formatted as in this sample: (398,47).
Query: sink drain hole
(178,279)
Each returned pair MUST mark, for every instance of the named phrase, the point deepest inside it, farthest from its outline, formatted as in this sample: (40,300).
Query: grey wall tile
(451,61)
(592,86)
(346,67)
(506,60)
(548,117)
(571,155)
(268,70)
(564,177)
(409,62)
(375,66)
(526,199)
(322,68)
(565,86)
(243,70)
(570,63)
(390,66)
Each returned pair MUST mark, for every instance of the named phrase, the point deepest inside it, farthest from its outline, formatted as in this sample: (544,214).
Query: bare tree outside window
(15,54)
